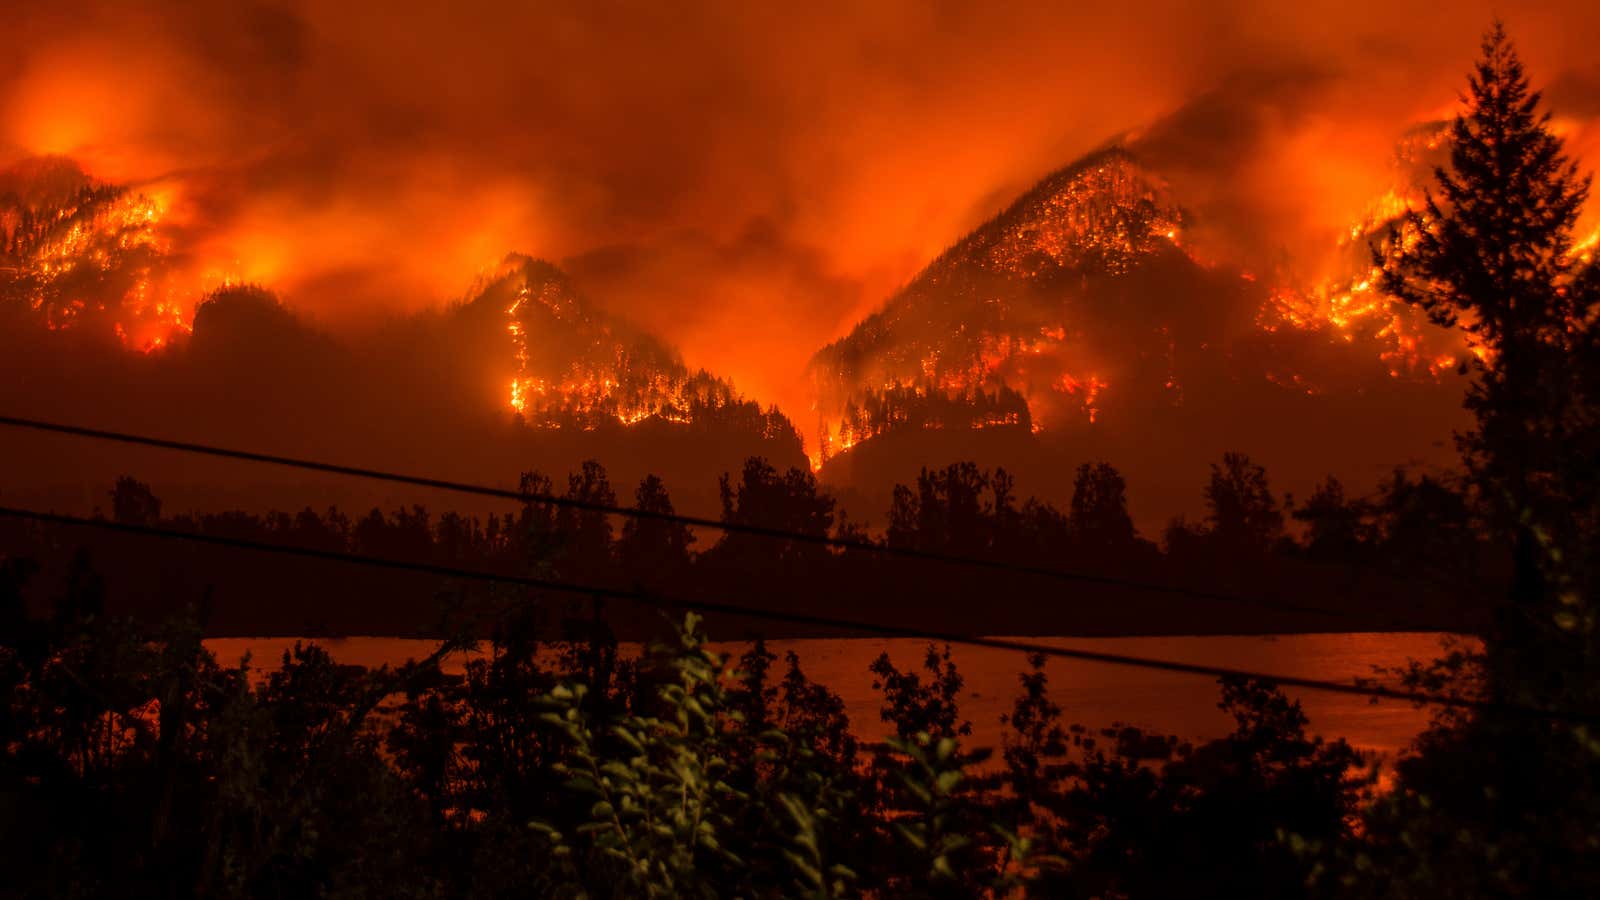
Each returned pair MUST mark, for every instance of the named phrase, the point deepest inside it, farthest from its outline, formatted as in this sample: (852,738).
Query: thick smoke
(746,181)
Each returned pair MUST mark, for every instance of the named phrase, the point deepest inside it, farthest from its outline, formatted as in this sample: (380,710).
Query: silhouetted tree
(1150,817)
(532,538)
(1182,540)
(1490,253)
(948,513)
(1035,746)
(316,532)
(653,546)
(1005,519)
(1499,802)
(1336,528)
(1240,508)
(406,535)
(1099,513)
(586,533)
(133,503)
(1425,525)
(791,502)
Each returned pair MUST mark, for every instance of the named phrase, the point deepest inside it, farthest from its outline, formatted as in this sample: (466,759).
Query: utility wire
(794,618)
(696,521)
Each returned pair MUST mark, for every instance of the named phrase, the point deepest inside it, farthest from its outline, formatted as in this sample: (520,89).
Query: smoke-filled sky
(746,179)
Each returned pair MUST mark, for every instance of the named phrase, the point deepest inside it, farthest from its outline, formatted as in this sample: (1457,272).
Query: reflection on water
(1092,694)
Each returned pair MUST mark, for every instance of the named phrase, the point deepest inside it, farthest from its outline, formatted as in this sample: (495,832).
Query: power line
(696,521)
(794,618)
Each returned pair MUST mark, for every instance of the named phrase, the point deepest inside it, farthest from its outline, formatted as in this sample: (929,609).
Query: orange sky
(746,182)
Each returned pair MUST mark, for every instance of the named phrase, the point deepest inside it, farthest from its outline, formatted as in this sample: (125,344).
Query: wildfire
(995,320)
(1405,341)
(519,384)
(100,257)
(574,368)
(1349,308)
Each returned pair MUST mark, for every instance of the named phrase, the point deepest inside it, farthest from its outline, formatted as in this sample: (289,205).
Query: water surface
(1093,694)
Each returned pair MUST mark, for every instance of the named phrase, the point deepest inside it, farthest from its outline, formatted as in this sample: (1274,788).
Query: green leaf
(911,837)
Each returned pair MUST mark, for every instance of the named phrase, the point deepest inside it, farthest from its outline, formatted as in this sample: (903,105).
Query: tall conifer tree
(1491,253)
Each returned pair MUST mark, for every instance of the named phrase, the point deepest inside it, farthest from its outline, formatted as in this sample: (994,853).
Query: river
(1093,694)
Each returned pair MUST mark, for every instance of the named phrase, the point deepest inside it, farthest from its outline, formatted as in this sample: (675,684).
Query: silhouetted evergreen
(653,547)
(1493,802)
(1491,254)
(1099,513)
(791,501)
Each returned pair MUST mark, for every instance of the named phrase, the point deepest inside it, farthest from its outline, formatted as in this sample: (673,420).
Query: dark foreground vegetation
(135,765)
(132,763)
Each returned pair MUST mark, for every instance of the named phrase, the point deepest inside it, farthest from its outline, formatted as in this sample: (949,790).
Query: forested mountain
(1083,300)
(107,324)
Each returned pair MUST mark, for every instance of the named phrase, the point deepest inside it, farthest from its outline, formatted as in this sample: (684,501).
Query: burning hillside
(525,373)
(572,366)
(1083,301)
(981,336)
(79,255)
(98,260)
(1343,302)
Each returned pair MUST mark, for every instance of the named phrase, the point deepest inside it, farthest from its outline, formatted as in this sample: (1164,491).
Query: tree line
(1411,535)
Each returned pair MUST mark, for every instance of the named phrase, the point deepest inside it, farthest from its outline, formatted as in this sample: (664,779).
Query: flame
(60,261)
(1089,390)
(1358,312)
(1388,207)
(1350,308)
(1584,250)
(519,343)
(603,376)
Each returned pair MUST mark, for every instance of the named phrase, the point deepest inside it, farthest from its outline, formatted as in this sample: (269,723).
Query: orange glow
(1584,249)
